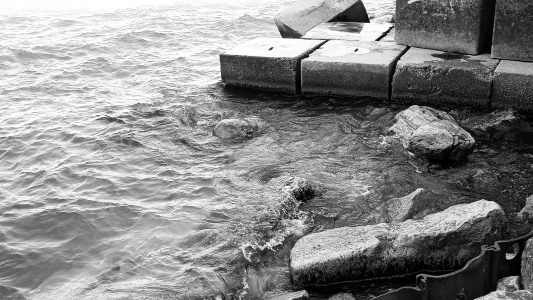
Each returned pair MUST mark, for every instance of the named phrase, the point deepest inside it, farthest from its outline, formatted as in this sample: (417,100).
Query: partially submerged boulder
(415,205)
(342,296)
(497,124)
(510,284)
(441,241)
(304,15)
(527,211)
(237,129)
(300,295)
(432,134)
(503,295)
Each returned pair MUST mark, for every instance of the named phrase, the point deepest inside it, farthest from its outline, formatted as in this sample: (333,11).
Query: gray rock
(415,204)
(432,134)
(300,295)
(342,296)
(293,190)
(496,124)
(527,212)
(237,129)
(526,266)
(502,295)
(510,284)
(440,241)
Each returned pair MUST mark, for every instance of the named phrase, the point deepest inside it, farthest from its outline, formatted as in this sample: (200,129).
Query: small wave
(25,55)
(132,38)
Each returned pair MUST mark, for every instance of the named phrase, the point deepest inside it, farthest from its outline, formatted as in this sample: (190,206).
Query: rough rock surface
(408,207)
(494,125)
(440,241)
(526,266)
(527,212)
(300,295)
(342,296)
(237,129)
(510,284)
(433,134)
(502,295)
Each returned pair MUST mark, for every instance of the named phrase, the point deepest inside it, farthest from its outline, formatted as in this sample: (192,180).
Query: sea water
(112,185)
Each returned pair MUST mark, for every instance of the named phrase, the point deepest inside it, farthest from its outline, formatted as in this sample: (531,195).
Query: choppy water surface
(112,185)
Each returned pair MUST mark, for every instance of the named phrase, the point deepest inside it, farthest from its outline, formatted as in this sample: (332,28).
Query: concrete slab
(304,15)
(352,31)
(267,63)
(455,26)
(435,77)
(390,36)
(513,85)
(351,68)
(513,26)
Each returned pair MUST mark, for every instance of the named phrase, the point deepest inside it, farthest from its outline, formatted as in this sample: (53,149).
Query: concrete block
(435,77)
(513,26)
(513,85)
(463,26)
(352,31)
(267,63)
(304,15)
(390,36)
(351,68)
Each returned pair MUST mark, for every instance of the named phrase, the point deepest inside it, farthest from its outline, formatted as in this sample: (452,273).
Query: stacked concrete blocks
(441,78)
(351,68)
(513,26)
(513,85)
(267,63)
(351,31)
(463,26)
(304,15)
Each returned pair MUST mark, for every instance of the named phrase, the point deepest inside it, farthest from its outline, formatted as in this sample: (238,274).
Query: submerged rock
(342,296)
(237,129)
(494,125)
(527,212)
(432,134)
(502,295)
(510,284)
(441,241)
(300,295)
(415,205)
(526,266)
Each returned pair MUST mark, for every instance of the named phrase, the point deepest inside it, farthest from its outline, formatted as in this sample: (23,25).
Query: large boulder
(432,134)
(527,211)
(440,241)
(304,15)
(237,129)
(415,205)
(526,267)
(503,295)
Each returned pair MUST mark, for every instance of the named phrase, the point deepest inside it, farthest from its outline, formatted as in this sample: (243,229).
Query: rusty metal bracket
(477,278)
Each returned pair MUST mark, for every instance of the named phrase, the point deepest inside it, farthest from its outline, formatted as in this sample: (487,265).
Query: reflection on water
(112,185)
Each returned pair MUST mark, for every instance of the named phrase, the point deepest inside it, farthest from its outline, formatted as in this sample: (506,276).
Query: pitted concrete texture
(440,241)
(351,68)
(440,78)
(513,85)
(267,63)
(304,15)
(513,27)
(351,31)
(463,26)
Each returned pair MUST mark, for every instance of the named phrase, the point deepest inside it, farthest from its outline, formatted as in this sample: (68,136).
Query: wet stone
(527,212)
(513,26)
(513,85)
(440,241)
(342,296)
(302,16)
(418,203)
(237,129)
(351,68)
(266,63)
(455,26)
(351,31)
(510,284)
(300,295)
(440,78)
(502,295)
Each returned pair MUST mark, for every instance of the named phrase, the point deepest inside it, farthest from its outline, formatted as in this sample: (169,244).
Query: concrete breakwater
(435,53)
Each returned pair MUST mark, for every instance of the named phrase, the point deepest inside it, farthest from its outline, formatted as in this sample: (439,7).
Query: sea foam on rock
(440,241)
(237,129)
(432,134)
